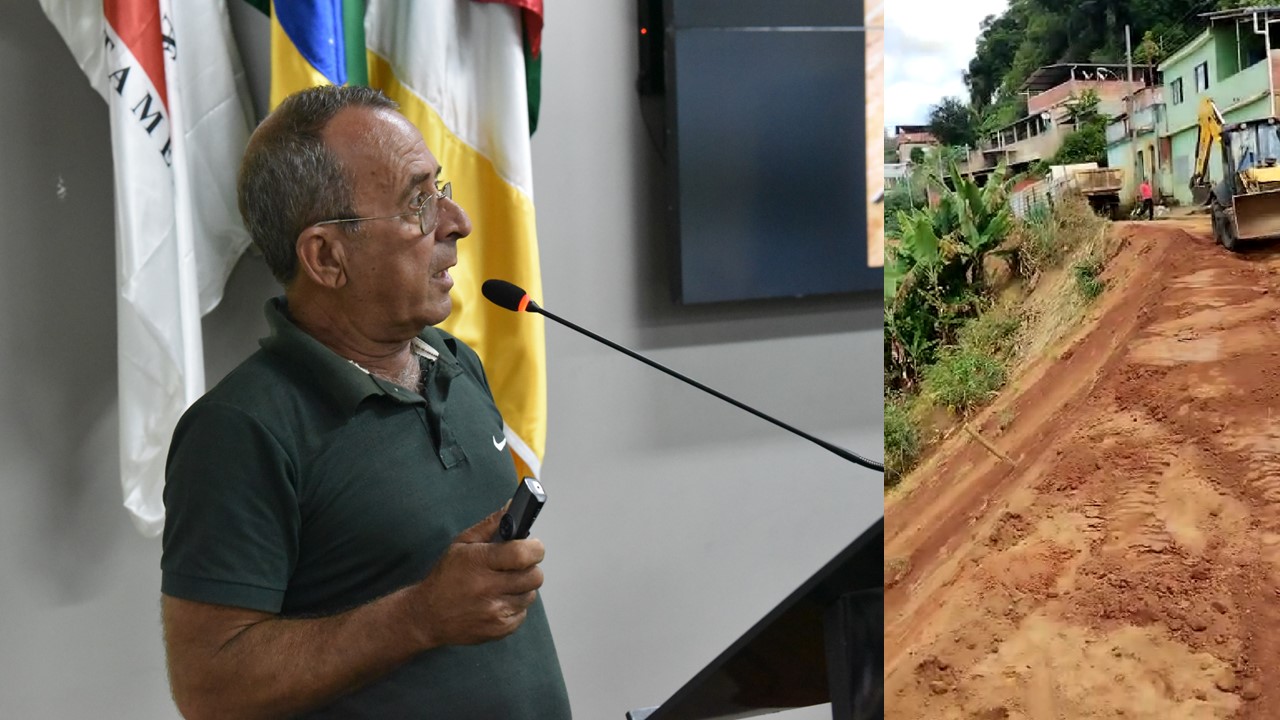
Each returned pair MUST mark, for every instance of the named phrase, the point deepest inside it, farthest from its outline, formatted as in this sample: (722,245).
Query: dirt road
(1128,565)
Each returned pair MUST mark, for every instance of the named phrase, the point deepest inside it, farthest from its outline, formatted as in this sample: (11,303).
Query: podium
(823,643)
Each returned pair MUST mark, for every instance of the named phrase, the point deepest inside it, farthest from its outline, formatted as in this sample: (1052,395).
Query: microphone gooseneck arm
(851,457)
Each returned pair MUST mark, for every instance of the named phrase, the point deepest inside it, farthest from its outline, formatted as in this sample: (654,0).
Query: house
(1234,62)
(1134,142)
(910,137)
(1051,87)
(1049,90)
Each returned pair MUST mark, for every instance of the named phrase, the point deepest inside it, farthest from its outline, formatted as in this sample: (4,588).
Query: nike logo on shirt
(500,446)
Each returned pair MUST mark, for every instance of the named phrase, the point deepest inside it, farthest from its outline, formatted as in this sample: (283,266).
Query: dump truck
(1101,187)
(1245,203)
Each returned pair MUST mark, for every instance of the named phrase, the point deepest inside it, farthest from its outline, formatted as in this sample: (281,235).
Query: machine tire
(1223,232)
(1230,240)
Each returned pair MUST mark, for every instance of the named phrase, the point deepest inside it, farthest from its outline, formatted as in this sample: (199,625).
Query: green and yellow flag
(466,73)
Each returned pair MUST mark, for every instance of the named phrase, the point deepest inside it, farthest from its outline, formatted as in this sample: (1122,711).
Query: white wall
(79,628)
(674,521)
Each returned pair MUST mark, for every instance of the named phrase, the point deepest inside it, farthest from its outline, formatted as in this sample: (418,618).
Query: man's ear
(322,256)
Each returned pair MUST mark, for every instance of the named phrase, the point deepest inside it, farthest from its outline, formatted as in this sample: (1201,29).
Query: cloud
(928,46)
(903,42)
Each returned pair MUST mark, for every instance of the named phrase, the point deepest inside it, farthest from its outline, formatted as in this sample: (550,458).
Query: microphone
(511,297)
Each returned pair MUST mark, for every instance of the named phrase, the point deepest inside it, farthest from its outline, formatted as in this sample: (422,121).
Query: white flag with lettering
(180,119)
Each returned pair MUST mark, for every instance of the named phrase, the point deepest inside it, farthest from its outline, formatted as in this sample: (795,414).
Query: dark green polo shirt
(302,485)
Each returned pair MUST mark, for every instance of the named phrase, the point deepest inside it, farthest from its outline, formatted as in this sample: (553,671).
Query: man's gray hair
(290,180)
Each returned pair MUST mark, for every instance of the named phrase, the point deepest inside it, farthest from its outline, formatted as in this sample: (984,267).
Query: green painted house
(1134,144)
(1234,62)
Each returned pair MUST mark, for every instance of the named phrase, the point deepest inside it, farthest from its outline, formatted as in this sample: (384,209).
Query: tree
(1087,144)
(1082,108)
(890,149)
(953,122)
(1033,33)
(917,155)
(902,197)
(942,156)
(933,277)
(1006,110)
(1148,51)
(1030,34)
(1231,4)
(998,43)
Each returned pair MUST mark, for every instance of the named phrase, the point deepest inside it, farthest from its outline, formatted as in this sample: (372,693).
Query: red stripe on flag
(532,20)
(137,23)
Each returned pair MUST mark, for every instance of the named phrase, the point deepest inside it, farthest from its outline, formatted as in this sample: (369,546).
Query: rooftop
(1240,12)
(1050,76)
(916,137)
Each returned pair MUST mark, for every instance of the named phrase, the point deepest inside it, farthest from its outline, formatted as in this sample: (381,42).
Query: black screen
(766,157)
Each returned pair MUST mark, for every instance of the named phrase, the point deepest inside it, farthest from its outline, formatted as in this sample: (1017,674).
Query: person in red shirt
(1144,192)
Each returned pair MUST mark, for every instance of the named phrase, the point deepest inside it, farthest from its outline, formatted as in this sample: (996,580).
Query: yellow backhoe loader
(1245,204)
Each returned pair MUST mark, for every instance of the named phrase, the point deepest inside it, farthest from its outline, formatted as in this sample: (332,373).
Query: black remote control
(523,510)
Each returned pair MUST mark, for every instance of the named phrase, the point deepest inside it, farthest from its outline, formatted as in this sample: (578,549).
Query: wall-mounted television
(765,114)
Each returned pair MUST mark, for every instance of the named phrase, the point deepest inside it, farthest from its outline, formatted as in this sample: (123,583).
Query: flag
(461,71)
(180,119)
(316,42)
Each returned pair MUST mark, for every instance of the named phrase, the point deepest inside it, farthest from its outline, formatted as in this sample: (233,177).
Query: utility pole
(1128,99)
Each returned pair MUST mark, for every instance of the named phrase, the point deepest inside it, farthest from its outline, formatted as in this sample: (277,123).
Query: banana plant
(918,244)
(933,275)
(983,217)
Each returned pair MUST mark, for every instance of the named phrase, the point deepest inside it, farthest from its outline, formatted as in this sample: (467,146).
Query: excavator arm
(1208,133)
(1247,202)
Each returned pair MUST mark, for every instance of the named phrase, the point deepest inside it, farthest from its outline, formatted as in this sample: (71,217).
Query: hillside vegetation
(1033,33)
(958,306)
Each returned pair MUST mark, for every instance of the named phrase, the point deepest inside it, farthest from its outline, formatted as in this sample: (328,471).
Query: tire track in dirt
(1129,565)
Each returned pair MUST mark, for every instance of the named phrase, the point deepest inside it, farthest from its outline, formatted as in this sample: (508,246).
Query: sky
(928,46)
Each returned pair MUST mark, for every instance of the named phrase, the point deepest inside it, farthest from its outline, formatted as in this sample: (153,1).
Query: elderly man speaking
(329,503)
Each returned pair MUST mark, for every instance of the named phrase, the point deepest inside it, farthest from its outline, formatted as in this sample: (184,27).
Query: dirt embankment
(1128,565)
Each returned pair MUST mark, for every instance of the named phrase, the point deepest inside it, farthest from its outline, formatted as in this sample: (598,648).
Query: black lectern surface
(781,662)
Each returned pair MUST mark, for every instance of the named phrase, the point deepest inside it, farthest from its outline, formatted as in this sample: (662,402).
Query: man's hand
(479,591)
(233,662)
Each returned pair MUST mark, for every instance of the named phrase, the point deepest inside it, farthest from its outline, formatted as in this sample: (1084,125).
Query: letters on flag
(179,122)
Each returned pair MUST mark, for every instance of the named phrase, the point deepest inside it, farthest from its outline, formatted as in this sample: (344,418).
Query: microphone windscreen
(504,295)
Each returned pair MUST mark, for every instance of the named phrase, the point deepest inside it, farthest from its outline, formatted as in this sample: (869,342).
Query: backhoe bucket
(1200,194)
(1258,215)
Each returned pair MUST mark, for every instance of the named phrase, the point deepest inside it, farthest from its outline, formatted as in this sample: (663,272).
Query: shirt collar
(344,382)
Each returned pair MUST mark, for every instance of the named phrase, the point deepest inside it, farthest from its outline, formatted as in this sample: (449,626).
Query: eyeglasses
(428,212)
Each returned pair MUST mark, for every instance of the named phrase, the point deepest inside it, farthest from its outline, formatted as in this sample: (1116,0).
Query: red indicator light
(644,31)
